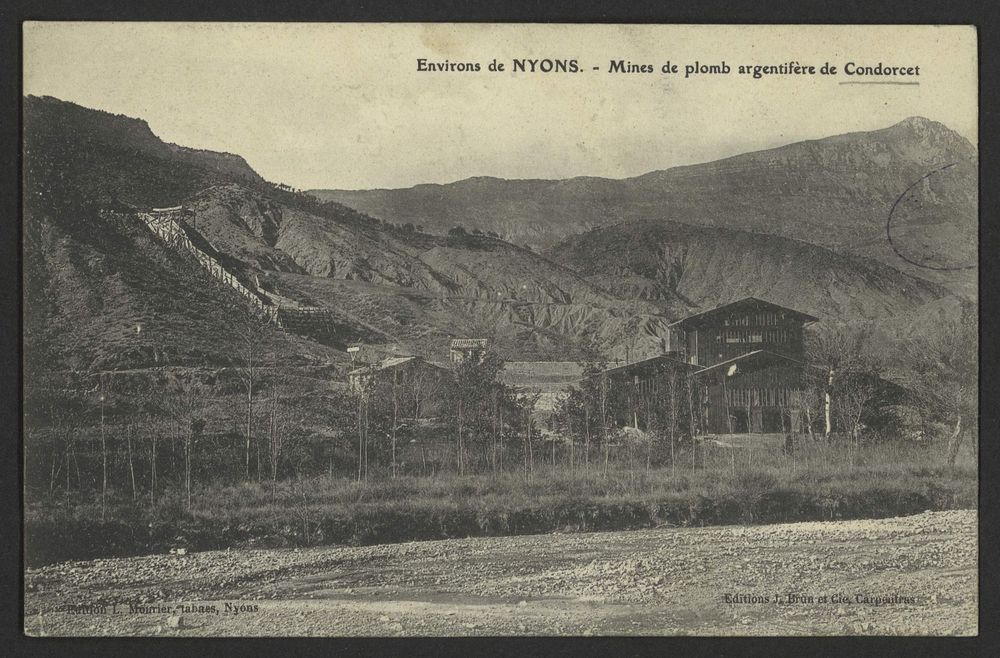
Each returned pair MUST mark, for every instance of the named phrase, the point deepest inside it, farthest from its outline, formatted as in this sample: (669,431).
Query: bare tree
(61,420)
(855,394)
(363,393)
(841,351)
(395,415)
(527,401)
(281,427)
(152,461)
(470,393)
(274,438)
(252,331)
(591,389)
(102,398)
(605,436)
(809,400)
(672,391)
(943,377)
(187,406)
(129,430)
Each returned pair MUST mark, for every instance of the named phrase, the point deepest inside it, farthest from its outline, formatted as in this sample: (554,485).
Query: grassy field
(818,482)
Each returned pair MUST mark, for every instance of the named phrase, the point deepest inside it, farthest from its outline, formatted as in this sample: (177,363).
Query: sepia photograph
(509,329)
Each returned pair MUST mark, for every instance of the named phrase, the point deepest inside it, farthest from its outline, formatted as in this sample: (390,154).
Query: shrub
(749,488)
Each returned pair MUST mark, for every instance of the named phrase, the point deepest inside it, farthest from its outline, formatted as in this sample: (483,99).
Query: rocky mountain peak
(932,135)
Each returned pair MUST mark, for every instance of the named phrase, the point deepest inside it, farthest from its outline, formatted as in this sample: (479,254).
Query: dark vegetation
(818,484)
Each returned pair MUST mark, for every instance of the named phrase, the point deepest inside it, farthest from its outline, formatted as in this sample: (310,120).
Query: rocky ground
(913,575)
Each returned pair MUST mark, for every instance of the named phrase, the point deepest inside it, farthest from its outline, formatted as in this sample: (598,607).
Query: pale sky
(343,106)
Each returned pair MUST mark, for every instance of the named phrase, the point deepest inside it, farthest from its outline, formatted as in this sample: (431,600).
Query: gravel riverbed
(914,575)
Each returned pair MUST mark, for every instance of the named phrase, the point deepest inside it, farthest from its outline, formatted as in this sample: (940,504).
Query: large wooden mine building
(743,366)
(751,366)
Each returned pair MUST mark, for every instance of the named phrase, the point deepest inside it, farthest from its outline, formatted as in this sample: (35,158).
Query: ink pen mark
(892,211)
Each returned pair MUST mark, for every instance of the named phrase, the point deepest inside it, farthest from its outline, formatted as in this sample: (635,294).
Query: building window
(760,319)
(743,336)
(773,336)
(776,336)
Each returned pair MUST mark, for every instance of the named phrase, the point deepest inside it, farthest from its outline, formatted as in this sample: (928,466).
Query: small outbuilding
(463,349)
(418,384)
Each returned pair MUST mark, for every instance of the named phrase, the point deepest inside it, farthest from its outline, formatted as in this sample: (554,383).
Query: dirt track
(704,581)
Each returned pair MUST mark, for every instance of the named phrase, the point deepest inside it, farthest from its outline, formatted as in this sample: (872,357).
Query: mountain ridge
(910,121)
(388,282)
(835,192)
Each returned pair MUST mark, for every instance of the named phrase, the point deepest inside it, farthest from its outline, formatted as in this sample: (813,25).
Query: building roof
(705,317)
(750,357)
(173,209)
(391,362)
(468,342)
(664,358)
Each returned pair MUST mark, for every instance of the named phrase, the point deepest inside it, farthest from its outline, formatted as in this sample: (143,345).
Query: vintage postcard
(499,329)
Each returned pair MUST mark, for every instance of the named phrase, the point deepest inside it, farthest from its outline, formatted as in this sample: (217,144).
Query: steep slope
(835,192)
(337,243)
(416,290)
(708,267)
(79,162)
(422,322)
(102,294)
(90,283)
(89,156)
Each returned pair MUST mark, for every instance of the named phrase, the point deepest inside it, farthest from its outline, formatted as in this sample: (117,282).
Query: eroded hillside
(708,267)
(590,297)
